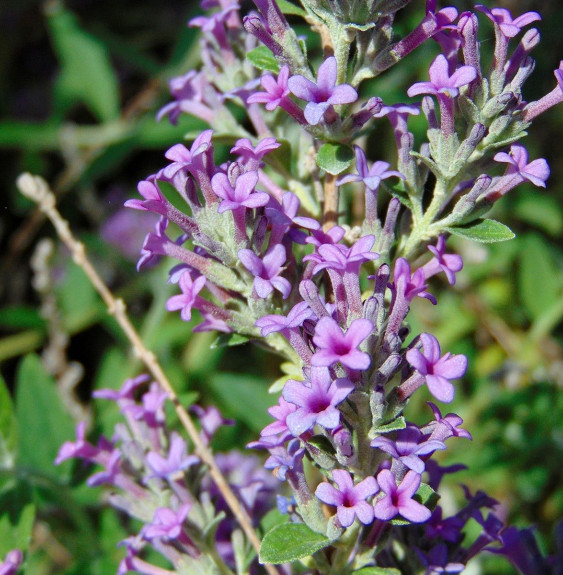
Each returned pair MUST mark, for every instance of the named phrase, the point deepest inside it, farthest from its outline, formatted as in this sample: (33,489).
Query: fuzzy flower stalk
(260,246)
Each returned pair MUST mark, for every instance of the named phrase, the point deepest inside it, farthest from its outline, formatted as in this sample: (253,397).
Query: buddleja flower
(398,498)
(350,500)
(324,94)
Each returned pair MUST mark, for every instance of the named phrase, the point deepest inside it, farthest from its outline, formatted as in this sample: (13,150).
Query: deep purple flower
(242,195)
(441,83)
(186,300)
(502,18)
(350,500)
(176,461)
(398,498)
(11,563)
(334,345)
(437,370)
(448,529)
(437,562)
(267,271)
(408,447)
(167,524)
(316,400)
(324,94)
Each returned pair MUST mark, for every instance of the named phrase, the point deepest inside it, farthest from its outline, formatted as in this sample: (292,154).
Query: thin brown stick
(330,207)
(37,189)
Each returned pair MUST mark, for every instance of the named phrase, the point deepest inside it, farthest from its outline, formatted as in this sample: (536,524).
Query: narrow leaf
(8,428)
(289,8)
(289,542)
(334,158)
(42,415)
(263,59)
(484,231)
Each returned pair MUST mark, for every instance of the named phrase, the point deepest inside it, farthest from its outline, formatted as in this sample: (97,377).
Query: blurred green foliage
(82,83)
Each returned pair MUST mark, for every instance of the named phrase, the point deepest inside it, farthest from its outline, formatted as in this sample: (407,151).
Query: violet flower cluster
(263,251)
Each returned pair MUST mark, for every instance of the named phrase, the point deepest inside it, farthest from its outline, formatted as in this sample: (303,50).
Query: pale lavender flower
(210,419)
(295,318)
(284,219)
(11,563)
(152,409)
(437,370)
(407,286)
(450,264)
(324,94)
(350,500)
(370,177)
(125,395)
(502,18)
(280,413)
(167,524)
(554,97)
(441,83)
(80,448)
(176,460)
(187,299)
(398,498)
(408,447)
(316,400)
(267,271)
(334,345)
(250,156)
(342,258)
(445,426)
(242,195)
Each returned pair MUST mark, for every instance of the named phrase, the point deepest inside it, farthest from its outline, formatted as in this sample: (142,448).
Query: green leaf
(8,429)
(288,8)
(86,71)
(41,414)
(334,158)
(539,278)
(377,571)
(229,340)
(484,231)
(395,425)
(263,59)
(289,542)
(17,514)
(243,397)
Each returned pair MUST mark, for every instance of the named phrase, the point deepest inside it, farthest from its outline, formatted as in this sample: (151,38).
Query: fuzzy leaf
(263,59)
(395,425)
(289,542)
(484,231)
(334,158)
(289,8)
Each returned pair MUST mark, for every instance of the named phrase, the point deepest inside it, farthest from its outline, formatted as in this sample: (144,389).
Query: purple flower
(177,459)
(80,448)
(210,419)
(11,563)
(437,561)
(502,18)
(398,499)
(371,177)
(151,411)
(437,370)
(441,83)
(342,258)
(124,396)
(252,156)
(295,318)
(284,218)
(407,447)
(407,286)
(450,264)
(267,271)
(166,523)
(242,195)
(283,459)
(446,426)
(277,91)
(280,413)
(186,300)
(324,94)
(350,500)
(338,346)
(154,201)
(536,171)
(316,402)
(186,160)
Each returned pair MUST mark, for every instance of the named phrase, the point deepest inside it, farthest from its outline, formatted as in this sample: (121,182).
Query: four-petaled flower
(266,271)
(242,195)
(502,18)
(536,171)
(441,83)
(398,498)
(437,370)
(316,400)
(167,524)
(324,94)
(350,500)
(186,300)
(334,345)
